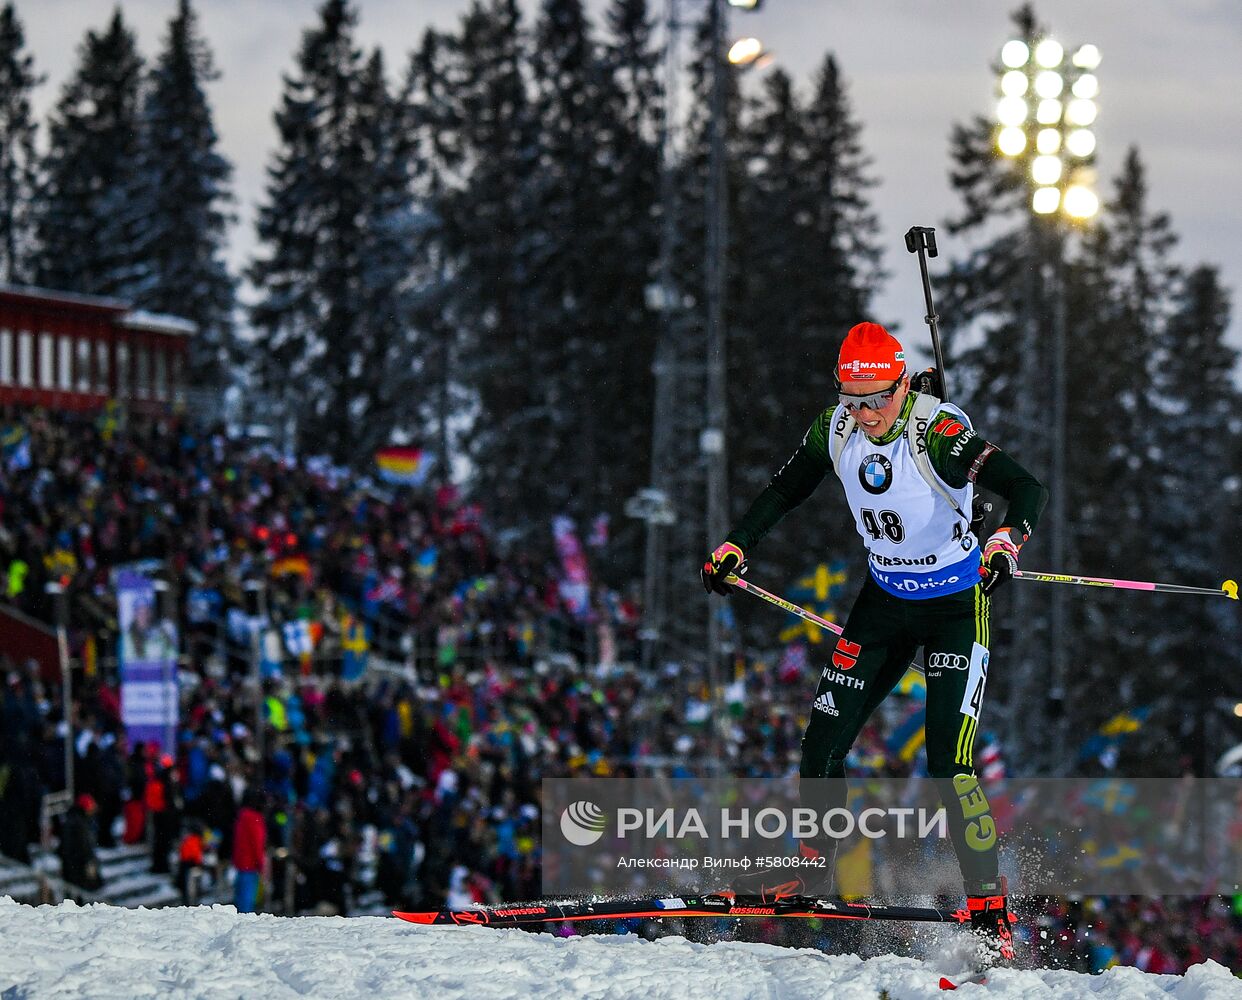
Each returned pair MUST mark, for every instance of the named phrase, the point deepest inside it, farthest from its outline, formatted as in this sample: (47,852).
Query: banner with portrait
(148,658)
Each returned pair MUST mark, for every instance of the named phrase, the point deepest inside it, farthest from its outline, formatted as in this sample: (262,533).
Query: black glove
(979,517)
(927,381)
(727,558)
(1000,560)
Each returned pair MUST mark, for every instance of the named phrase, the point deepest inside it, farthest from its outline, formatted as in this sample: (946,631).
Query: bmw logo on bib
(875,474)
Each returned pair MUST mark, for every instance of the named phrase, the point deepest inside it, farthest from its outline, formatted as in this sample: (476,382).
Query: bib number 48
(888,523)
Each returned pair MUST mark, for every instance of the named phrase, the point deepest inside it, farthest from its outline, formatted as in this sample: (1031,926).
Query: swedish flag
(816,593)
(1113,732)
(353,649)
(908,738)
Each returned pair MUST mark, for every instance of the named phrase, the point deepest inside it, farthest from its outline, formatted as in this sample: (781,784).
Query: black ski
(717,905)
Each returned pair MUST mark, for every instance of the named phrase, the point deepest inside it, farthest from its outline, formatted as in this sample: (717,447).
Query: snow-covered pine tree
(388,386)
(808,267)
(89,171)
(998,291)
(630,228)
(332,192)
(769,365)
(844,252)
(576,337)
(434,134)
(1194,487)
(180,206)
(996,307)
(1116,433)
(489,229)
(18,158)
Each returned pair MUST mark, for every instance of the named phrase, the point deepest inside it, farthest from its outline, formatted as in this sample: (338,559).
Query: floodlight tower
(1044,116)
(685,508)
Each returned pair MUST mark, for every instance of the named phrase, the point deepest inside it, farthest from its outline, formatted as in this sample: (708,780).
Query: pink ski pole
(793,609)
(1227,589)
(780,602)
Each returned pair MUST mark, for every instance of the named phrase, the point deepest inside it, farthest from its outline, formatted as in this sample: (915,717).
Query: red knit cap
(870,353)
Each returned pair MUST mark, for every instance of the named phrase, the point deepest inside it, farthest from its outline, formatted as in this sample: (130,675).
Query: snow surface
(102,952)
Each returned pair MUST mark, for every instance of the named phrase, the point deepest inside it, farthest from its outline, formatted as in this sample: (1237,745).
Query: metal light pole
(712,440)
(167,601)
(688,436)
(655,504)
(60,609)
(1046,130)
(256,611)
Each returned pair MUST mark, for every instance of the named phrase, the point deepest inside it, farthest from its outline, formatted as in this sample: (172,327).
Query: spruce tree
(1193,487)
(843,244)
(84,226)
(392,370)
(18,158)
(807,267)
(434,156)
(575,334)
(334,232)
(179,212)
(630,231)
(1127,281)
(490,229)
(997,310)
(769,273)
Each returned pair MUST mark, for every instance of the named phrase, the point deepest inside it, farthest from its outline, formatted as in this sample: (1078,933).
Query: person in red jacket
(190,861)
(249,852)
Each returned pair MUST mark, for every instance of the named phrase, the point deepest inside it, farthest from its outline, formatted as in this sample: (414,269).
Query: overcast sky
(1170,79)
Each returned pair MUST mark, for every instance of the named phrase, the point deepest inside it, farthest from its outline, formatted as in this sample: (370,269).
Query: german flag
(402,466)
(292,566)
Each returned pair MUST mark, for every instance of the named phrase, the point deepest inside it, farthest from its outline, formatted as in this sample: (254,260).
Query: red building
(74,352)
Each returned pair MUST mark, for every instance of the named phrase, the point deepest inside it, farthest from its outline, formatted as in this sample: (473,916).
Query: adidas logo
(824,703)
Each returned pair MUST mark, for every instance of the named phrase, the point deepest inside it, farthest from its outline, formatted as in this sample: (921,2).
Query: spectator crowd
(396,740)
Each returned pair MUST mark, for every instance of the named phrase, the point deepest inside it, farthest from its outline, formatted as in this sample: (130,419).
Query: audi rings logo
(948,661)
(582,824)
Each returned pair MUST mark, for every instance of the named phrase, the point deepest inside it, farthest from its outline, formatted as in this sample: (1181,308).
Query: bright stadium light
(745,51)
(1080,202)
(1048,112)
(1011,141)
(1048,141)
(1087,57)
(1015,54)
(1045,200)
(1080,142)
(744,4)
(1049,83)
(1044,107)
(1046,169)
(1086,86)
(1011,111)
(1080,112)
(1014,83)
(1049,53)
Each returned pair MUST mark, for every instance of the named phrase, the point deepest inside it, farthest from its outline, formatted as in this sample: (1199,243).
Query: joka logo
(875,474)
(824,703)
(582,824)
